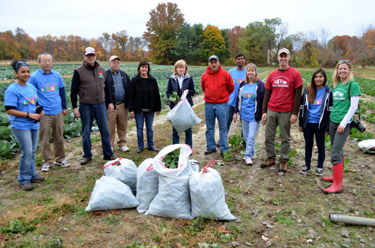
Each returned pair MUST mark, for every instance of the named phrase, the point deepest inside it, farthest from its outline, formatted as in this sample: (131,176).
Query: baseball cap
(283,50)
(213,57)
(89,50)
(113,57)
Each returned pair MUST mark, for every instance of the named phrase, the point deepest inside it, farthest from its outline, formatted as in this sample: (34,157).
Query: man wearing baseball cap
(89,83)
(217,85)
(117,102)
(280,108)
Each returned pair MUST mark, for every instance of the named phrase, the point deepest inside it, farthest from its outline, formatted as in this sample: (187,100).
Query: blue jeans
(219,111)
(309,131)
(250,130)
(88,113)
(188,137)
(28,141)
(230,117)
(140,118)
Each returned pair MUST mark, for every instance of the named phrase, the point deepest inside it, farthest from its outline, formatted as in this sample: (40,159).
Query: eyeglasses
(47,61)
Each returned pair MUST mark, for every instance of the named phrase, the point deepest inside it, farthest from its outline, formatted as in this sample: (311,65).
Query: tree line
(169,38)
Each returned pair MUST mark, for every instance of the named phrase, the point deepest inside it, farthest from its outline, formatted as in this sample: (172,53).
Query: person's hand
(65,112)
(293,119)
(186,91)
(41,114)
(157,113)
(76,112)
(325,134)
(132,114)
(235,117)
(35,116)
(340,130)
(300,129)
(111,108)
(264,119)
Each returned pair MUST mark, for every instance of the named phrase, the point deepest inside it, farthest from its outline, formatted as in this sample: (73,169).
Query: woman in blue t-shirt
(249,105)
(20,103)
(316,104)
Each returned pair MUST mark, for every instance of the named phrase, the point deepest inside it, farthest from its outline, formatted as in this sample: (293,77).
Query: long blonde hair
(251,65)
(336,78)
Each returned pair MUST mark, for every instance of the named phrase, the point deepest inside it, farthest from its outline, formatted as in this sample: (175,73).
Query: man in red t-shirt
(280,108)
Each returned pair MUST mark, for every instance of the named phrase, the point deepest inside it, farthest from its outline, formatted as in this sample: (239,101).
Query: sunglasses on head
(344,61)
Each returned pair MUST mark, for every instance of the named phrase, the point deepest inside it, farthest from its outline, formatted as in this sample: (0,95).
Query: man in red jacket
(217,85)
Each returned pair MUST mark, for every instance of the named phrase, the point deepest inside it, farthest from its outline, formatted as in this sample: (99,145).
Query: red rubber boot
(330,178)
(338,171)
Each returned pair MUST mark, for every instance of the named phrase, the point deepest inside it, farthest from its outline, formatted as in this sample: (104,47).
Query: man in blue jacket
(51,94)
(117,102)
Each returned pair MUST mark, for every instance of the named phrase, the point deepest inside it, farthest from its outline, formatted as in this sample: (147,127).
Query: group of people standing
(108,96)
(277,103)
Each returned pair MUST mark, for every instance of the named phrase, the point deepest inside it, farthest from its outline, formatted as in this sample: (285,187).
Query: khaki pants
(118,117)
(56,123)
(280,119)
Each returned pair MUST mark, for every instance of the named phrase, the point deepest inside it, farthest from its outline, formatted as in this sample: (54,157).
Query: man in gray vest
(117,102)
(89,83)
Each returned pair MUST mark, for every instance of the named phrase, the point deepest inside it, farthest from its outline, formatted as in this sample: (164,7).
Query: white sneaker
(63,163)
(248,161)
(46,167)
(124,148)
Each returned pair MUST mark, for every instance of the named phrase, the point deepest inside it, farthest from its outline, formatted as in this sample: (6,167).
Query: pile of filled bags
(178,191)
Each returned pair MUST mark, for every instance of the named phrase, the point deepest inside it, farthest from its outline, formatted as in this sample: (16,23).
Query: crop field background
(274,210)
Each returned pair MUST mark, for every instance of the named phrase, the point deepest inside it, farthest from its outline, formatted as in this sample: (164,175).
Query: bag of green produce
(147,184)
(109,193)
(208,195)
(182,116)
(173,198)
(122,169)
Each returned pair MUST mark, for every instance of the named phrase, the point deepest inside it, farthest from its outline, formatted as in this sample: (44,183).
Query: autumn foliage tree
(163,28)
(121,39)
(234,36)
(213,42)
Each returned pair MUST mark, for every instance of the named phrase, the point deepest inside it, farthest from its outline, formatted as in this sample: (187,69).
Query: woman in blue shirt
(20,103)
(316,104)
(249,105)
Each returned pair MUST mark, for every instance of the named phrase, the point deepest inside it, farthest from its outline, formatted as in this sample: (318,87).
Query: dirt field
(274,210)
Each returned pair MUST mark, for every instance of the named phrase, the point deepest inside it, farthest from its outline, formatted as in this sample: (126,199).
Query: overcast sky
(89,19)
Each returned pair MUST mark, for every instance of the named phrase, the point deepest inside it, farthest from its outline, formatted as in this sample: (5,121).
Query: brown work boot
(283,166)
(269,162)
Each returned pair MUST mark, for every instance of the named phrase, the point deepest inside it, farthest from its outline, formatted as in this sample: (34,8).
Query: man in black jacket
(117,102)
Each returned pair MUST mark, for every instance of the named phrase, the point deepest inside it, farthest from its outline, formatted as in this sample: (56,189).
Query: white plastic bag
(182,116)
(147,184)
(124,170)
(110,193)
(207,195)
(367,145)
(173,198)
(194,164)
